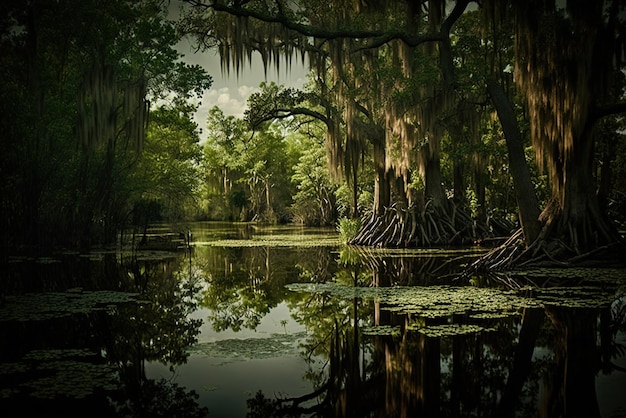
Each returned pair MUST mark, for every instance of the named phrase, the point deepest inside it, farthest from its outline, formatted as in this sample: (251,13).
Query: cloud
(231,103)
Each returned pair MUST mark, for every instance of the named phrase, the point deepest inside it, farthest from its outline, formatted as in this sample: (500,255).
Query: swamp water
(284,321)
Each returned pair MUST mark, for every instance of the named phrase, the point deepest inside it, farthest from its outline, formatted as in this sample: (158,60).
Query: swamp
(287,321)
(303,208)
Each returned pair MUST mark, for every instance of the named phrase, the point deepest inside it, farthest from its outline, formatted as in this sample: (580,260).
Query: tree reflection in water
(541,362)
(389,333)
(77,332)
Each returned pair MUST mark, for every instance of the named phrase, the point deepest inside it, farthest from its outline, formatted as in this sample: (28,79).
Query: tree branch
(280,113)
(379,37)
(612,109)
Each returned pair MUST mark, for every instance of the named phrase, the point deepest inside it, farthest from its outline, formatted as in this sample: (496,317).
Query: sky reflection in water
(274,310)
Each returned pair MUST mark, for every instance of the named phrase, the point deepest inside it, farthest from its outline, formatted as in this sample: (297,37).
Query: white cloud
(231,103)
(246,91)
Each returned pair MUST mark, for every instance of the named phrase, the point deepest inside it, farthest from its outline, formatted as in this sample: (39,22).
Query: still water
(283,321)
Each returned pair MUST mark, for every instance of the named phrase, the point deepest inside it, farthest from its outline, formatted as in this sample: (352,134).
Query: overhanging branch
(378,37)
(612,109)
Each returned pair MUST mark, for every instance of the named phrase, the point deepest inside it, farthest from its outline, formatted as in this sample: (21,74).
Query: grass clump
(348,229)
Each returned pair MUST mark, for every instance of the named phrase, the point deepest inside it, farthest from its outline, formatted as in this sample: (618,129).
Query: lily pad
(430,301)
(287,240)
(276,345)
(381,330)
(71,373)
(52,305)
(449,330)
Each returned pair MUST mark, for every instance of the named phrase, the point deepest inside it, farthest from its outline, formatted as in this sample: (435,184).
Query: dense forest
(429,123)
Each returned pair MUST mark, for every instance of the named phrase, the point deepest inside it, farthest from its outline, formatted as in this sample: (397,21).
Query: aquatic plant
(301,241)
(348,229)
(52,305)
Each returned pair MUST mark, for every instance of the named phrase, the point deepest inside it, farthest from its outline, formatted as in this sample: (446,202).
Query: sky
(230,91)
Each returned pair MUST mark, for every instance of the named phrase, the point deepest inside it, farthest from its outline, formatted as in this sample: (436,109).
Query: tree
(223,169)
(169,170)
(315,200)
(364,65)
(555,82)
(79,79)
(566,61)
(249,172)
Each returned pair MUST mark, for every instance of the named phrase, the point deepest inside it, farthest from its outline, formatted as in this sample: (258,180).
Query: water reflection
(281,322)
(76,333)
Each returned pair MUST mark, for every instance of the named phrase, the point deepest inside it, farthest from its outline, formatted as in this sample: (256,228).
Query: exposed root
(544,252)
(400,227)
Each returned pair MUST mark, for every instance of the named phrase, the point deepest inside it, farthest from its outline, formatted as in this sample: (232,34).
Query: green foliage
(348,229)
(247,174)
(85,70)
(168,170)
(314,201)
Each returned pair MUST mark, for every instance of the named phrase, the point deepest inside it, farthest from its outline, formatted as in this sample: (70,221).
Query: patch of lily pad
(480,303)
(418,252)
(54,305)
(287,240)
(449,330)
(579,275)
(576,297)
(392,330)
(429,301)
(275,345)
(59,373)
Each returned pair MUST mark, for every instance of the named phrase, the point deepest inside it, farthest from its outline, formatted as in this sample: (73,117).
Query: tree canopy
(428,114)
(396,79)
(79,80)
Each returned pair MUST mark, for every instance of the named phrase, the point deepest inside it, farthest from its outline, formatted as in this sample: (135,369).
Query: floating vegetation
(449,330)
(576,297)
(70,373)
(595,275)
(431,301)
(53,305)
(287,240)
(493,315)
(418,252)
(480,303)
(381,330)
(276,345)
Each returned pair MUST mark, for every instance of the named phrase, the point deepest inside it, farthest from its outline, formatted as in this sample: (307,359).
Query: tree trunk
(459,182)
(382,191)
(574,215)
(433,183)
(524,190)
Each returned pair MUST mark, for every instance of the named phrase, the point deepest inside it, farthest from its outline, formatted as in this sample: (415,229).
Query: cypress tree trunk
(523,186)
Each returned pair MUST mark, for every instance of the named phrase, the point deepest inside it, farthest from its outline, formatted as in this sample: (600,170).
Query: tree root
(400,227)
(544,252)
